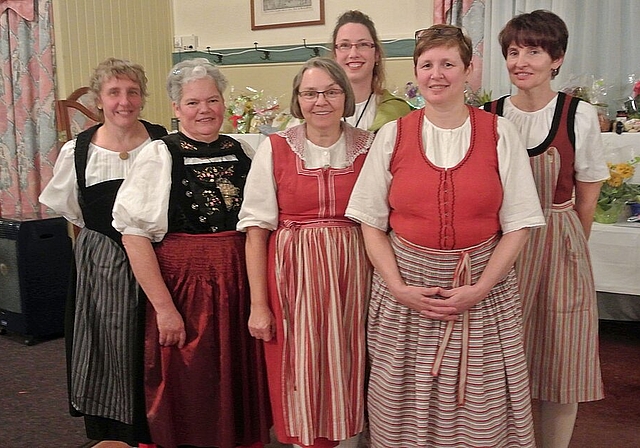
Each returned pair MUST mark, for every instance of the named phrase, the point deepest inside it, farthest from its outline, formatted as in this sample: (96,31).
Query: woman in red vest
(446,199)
(308,270)
(562,135)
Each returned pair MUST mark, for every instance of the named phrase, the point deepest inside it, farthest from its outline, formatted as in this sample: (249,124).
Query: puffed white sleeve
(590,163)
(520,202)
(369,202)
(260,203)
(142,203)
(61,193)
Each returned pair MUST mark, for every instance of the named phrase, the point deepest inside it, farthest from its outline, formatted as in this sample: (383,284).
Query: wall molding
(399,48)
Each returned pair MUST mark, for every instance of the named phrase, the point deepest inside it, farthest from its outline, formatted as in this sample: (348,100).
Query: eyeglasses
(312,95)
(360,46)
(432,32)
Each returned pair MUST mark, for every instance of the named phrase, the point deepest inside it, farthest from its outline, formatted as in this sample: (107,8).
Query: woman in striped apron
(562,135)
(446,199)
(308,270)
(105,318)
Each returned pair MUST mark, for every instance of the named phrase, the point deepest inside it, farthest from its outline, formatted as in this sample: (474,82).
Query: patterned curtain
(27,128)
(468,14)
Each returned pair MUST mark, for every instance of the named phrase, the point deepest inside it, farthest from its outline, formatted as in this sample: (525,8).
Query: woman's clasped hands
(439,303)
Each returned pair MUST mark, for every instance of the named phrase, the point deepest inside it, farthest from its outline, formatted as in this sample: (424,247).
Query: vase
(610,215)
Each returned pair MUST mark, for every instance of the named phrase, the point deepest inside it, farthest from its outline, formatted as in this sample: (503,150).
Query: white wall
(222,24)
(227,24)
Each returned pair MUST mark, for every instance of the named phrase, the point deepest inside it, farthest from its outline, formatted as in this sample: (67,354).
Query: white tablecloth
(615,257)
(252,140)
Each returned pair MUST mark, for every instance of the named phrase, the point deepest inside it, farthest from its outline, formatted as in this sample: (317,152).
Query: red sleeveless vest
(449,208)
(310,194)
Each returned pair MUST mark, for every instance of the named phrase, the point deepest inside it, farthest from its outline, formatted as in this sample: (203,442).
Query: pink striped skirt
(413,403)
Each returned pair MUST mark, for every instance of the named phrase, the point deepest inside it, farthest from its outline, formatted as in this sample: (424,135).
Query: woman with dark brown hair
(562,135)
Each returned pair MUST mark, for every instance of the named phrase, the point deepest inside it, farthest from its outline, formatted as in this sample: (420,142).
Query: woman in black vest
(204,373)
(105,319)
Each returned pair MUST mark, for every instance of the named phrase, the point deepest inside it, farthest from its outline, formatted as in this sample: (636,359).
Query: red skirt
(213,391)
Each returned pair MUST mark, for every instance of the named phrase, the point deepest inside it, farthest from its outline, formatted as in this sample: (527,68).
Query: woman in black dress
(204,373)
(105,319)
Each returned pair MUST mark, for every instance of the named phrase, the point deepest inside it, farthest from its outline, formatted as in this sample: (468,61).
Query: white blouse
(142,204)
(365,113)
(590,165)
(61,193)
(260,205)
(445,148)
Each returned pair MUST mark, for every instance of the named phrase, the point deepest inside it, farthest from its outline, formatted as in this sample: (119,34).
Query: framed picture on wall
(268,14)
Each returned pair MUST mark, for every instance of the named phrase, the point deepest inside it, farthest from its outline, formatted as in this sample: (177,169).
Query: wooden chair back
(74,115)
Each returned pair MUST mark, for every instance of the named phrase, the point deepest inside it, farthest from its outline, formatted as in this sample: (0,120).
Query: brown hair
(539,28)
(336,73)
(442,35)
(355,16)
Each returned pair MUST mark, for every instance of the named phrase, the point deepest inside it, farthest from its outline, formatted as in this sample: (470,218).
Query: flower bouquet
(632,104)
(616,191)
(592,90)
(412,95)
(249,111)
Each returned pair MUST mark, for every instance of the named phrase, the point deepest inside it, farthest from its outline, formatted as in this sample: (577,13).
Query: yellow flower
(615,180)
(616,189)
(625,170)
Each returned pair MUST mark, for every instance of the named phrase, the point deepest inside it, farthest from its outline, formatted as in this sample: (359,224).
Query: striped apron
(320,290)
(559,299)
(102,375)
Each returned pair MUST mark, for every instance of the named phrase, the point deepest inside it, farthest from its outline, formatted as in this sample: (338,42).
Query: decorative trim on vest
(187,211)
(357,140)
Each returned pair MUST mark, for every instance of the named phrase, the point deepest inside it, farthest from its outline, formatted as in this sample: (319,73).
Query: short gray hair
(336,73)
(190,70)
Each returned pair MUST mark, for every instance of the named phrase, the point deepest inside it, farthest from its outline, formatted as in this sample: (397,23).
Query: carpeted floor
(615,421)
(33,406)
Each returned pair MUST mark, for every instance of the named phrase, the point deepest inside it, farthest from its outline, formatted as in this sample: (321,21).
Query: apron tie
(461,276)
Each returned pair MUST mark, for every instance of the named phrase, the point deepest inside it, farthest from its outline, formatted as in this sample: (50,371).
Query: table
(615,257)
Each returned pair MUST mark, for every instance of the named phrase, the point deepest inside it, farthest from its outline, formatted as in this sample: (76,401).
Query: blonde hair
(116,68)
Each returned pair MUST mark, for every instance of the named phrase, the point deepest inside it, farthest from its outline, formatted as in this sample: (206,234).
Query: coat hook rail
(266,53)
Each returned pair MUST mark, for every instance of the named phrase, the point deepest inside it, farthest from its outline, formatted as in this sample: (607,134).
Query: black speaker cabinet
(35,264)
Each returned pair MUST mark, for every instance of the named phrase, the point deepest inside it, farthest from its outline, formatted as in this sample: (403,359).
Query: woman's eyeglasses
(312,95)
(432,32)
(360,46)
